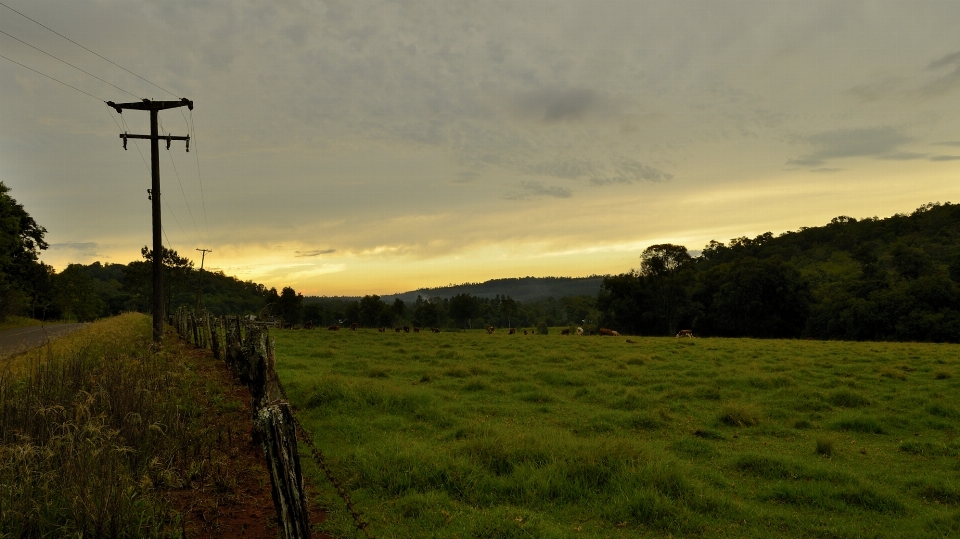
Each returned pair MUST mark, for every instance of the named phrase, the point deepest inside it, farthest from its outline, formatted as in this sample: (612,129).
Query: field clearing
(464,434)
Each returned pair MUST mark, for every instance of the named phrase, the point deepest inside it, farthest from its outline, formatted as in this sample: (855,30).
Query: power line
(53,79)
(182,191)
(193,135)
(69,64)
(86,49)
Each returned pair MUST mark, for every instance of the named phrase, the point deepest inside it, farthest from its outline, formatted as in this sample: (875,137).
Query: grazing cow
(524,332)
(512,331)
(685,333)
(406,329)
(435,330)
(353,326)
(608,332)
(490,329)
(334,328)
(416,329)
(631,342)
(398,329)
(308,325)
(565,331)
(580,331)
(382,330)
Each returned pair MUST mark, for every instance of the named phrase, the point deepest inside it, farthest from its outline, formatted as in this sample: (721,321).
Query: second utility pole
(155,107)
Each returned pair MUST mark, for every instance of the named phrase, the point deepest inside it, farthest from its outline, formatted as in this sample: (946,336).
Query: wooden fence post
(275,424)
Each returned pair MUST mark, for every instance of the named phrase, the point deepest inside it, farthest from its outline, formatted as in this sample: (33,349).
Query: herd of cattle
(490,329)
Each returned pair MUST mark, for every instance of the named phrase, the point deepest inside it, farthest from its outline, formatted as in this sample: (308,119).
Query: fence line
(248,351)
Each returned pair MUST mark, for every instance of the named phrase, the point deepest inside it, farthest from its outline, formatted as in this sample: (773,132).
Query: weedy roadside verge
(99,436)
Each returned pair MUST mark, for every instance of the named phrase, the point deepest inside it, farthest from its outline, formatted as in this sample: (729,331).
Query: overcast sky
(371,147)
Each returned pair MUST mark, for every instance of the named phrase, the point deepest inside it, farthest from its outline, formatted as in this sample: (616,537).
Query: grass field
(475,435)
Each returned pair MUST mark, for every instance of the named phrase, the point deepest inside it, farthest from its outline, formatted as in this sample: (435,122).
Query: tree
(290,305)
(313,312)
(399,308)
(753,298)
(76,295)
(425,313)
(177,289)
(664,265)
(463,307)
(21,240)
(508,309)
(371,311)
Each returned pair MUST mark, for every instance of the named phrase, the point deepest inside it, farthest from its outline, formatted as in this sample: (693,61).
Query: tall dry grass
(94,428)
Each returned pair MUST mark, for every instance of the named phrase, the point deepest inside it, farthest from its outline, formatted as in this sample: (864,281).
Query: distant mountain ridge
(522,289)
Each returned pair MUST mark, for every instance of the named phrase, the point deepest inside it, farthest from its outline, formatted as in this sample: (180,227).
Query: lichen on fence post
(277,431)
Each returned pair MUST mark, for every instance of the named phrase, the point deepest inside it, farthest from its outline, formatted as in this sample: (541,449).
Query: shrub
(542,328)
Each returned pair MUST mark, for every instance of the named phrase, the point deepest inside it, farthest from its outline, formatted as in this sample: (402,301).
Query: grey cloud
(903,156)
(87,247)
(825,170)
(316,252)
(557,105)
(882,142)
(537,189)
(623,170)
(945,158)
(946,82)
(947,143)
(466,176)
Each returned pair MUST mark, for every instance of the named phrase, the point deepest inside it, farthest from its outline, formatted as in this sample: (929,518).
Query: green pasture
(464,434)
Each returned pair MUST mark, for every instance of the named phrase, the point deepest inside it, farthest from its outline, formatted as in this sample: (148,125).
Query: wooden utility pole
(154,137)
(203,255)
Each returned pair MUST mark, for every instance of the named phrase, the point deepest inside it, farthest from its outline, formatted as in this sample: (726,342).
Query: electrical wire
(69,64)
(182,191)
(88,50)
(53,79)
(193,135)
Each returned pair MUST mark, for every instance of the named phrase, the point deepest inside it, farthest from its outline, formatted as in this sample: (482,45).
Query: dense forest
(871,279)
(896,278)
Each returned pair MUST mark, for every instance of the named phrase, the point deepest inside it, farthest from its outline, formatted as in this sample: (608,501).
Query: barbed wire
(318,456)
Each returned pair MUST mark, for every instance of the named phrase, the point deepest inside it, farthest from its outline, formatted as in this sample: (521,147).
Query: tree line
(896,278)
(874,279)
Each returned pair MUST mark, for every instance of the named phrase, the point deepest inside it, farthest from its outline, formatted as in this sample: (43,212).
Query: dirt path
(16,340)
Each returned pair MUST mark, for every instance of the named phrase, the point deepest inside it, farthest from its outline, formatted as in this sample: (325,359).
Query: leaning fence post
(278,434)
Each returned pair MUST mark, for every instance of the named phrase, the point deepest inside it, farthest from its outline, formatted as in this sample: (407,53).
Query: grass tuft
(739,415)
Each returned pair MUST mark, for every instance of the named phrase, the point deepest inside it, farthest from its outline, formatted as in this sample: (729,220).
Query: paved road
(17,340)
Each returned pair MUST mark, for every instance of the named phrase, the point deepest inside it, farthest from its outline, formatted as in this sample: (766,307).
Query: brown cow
(608,332)
(685,333)
(398,329)
(406,329)
(435,330)
(308,325)
(382,330)
(524,332)
(334,328)
(416,329)
(353,326)
(513,330)
(565,331)
(490,329)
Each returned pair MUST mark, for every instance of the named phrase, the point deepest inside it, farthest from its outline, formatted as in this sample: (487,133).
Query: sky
(363,147)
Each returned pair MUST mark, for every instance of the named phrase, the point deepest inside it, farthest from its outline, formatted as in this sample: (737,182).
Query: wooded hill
(869,279)
(520,289)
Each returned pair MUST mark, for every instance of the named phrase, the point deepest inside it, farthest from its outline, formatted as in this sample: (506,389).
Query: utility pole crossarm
(147,104)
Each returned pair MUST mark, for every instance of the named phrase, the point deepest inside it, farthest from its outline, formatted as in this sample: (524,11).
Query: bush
(542,328)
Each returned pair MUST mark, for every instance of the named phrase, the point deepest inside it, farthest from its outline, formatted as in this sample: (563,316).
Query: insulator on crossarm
(124,141)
